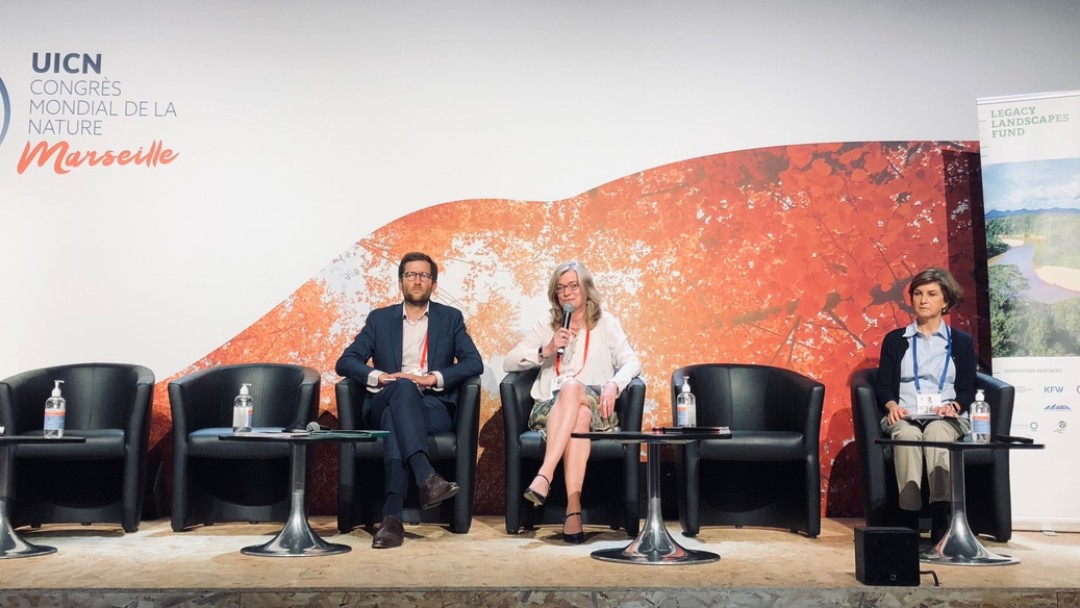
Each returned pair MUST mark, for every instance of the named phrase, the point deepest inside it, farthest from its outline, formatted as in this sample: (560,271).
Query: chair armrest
(866,418)
(631,405)
(468,414)
(350,396)
(466,435)
(16,414)
(307,396)
(7,409)
(516,402)
(864,409)
(138,428)
(185,394)
(1001,396)
(798,402)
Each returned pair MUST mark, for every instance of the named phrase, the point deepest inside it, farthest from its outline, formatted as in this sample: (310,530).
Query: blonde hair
(592,294)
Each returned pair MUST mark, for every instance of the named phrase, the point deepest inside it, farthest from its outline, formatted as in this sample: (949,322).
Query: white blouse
(609,357)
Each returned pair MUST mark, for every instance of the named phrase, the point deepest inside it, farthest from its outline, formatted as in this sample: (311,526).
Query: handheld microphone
(567,309)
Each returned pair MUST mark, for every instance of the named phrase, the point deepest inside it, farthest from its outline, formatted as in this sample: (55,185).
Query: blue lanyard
(915,359)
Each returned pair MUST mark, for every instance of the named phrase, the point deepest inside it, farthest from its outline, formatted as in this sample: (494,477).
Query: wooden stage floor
(101,566)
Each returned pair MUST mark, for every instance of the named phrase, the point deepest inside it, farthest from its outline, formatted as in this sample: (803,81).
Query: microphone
(567,309)
(298,426)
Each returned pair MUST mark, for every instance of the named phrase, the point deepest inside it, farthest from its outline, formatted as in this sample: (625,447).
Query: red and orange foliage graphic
(794,256)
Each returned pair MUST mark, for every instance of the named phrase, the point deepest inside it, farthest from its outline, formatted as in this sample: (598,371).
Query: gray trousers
(909,461)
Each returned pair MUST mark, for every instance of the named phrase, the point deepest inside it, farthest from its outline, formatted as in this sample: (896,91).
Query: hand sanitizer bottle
(686,406)
(243,408)
(55,410)
(980,418)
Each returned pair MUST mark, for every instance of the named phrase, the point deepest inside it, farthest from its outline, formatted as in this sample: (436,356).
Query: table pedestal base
(296,539)
(960,546)
(654,544)
(982,557)
(12,545)
(656,551)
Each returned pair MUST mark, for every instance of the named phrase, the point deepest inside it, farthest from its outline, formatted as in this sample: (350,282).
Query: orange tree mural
(790,256)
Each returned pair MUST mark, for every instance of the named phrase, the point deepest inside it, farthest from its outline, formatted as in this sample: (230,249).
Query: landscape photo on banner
(796,257)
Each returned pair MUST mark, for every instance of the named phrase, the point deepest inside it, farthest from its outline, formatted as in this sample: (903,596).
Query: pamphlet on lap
(930,416)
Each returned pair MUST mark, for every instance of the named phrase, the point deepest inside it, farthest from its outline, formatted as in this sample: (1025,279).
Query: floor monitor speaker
(887,556)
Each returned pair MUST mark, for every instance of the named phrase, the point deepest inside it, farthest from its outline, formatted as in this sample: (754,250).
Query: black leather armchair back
(768,472)
(216,480)
(610,494)
(453,454)
(986,473)
(98,481)
(746,398)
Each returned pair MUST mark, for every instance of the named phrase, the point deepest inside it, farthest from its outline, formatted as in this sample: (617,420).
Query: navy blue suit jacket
(451,351)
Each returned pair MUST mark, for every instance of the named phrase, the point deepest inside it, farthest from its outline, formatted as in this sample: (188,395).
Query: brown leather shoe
(435,490)
(391,534)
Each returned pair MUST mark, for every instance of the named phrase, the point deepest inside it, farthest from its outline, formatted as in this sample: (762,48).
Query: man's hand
(425,381)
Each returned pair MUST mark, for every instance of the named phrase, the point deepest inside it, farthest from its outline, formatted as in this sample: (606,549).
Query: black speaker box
(887,556)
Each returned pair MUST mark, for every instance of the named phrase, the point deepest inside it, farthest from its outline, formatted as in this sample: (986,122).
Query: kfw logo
(1054,389)
(5,111)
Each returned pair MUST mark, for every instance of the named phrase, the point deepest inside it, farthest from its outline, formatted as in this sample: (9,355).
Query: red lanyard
(584,358)
(423,355)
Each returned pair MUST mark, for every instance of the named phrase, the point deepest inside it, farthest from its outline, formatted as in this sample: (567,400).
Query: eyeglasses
(567,287)
(412,276)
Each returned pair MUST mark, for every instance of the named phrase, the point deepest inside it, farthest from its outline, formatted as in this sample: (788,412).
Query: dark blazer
(892,353)
(451,351)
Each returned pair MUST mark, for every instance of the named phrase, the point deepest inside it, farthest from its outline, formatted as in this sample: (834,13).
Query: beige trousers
(909,461)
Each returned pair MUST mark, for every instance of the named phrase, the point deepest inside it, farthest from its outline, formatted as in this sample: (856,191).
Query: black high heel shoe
(577,537)
(536,498)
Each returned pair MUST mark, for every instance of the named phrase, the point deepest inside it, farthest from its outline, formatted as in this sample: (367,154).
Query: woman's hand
(607,399)
(896,412)
(947,410)
(560,340)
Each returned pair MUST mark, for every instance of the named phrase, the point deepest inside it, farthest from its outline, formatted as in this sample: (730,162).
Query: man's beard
(411,301)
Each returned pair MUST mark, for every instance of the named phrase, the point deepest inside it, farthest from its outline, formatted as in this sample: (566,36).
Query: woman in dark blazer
(926,382)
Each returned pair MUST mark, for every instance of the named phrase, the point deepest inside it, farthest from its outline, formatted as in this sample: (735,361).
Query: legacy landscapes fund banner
(1031,181)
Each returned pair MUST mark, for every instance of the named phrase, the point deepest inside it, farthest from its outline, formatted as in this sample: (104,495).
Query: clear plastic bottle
(980,419)
(686,406)
(55,411)
(243,409)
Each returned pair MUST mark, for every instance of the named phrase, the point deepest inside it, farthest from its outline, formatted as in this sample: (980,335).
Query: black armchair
(610,494)
(768,472)
(986,472)
(216,480)
(453,454)
(98,481)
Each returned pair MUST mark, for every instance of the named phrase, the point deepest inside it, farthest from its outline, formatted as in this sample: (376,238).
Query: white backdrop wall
(301,127)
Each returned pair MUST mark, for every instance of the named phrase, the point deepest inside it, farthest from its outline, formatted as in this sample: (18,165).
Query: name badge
(927,402)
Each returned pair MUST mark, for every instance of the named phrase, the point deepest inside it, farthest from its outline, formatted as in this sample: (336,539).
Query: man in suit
(420,354)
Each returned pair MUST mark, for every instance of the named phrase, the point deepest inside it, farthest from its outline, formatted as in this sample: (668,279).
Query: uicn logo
(5,111)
